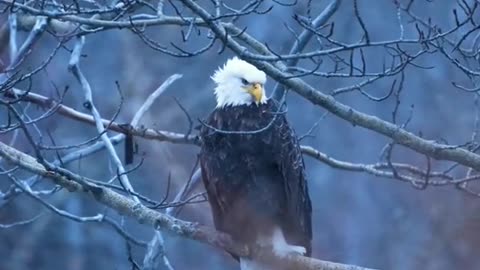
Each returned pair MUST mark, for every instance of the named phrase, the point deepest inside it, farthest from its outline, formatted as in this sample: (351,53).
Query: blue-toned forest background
(358,218)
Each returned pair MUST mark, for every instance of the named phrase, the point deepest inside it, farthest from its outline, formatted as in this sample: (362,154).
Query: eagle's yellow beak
(256,90)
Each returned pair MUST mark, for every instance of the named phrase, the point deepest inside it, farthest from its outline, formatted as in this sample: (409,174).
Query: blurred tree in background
(100,101)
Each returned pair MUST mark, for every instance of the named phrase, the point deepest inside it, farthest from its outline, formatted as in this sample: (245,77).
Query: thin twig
(74,66)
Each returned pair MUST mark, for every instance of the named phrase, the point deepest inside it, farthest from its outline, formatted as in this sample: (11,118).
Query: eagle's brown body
(255,180)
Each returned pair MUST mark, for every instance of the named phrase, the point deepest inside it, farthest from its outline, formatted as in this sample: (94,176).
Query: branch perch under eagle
(127,207)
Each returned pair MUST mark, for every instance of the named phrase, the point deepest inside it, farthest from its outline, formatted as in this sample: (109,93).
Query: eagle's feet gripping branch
(283,251)
(281,248)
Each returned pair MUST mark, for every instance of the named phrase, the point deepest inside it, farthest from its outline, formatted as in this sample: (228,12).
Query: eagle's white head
(239,83)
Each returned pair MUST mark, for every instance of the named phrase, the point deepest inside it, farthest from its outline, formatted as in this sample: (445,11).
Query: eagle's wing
(297,223)
(216,164)
(219,164)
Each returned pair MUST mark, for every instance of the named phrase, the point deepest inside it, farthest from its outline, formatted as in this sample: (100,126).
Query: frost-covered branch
(128,207)
(415,174)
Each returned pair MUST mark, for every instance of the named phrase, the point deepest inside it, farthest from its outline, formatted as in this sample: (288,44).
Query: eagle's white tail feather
(280,248)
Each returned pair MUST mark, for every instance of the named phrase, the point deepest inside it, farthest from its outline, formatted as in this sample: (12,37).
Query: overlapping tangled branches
(314,51)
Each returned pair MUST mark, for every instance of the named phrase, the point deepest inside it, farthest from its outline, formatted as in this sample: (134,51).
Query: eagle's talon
(283,251)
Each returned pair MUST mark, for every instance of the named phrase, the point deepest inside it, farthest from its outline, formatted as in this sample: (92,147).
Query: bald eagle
(252,167)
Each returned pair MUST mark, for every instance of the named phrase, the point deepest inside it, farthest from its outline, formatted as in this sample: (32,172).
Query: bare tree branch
(304,38)
(156,251)
(159,221)
(117,127)
(75,67)
(399,135)
(166,136)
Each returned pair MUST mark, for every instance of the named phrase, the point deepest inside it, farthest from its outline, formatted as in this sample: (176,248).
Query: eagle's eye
(244,82)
